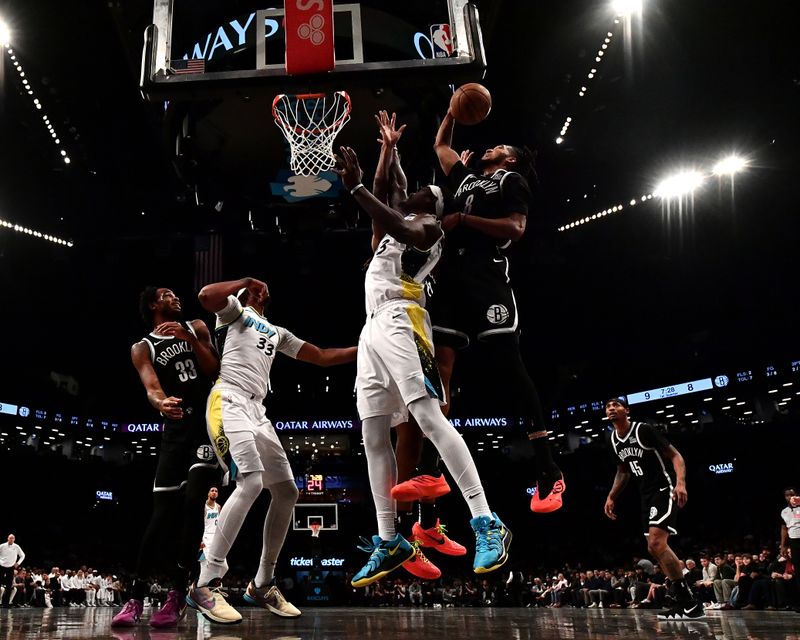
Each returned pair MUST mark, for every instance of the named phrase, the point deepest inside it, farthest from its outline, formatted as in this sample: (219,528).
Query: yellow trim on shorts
(214,422)
(417,316)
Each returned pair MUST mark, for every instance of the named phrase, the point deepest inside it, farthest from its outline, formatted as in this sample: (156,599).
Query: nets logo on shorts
(205,452)
(653,512)
(497,314)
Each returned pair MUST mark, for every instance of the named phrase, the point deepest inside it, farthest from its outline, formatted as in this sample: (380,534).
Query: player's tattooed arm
(326,357)
(620,480)
(167,405)
(679,493)
(443,146)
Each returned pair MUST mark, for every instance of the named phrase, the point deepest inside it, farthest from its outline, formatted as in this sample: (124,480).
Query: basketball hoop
(310,122)
(315,528)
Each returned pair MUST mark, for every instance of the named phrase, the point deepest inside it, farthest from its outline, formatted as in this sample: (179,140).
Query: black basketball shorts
(659,510)
(472,300)
(184,446)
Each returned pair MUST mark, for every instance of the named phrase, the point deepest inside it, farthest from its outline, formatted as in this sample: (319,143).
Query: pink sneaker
(129,615)
(171,613)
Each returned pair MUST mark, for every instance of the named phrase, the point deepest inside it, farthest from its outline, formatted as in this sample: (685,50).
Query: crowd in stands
(722,581)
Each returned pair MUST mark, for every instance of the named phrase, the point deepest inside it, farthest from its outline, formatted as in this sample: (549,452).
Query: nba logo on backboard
(442,41)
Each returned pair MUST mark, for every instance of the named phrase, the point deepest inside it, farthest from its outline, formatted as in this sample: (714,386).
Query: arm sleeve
(651,438)
(231,311)
(289,344)
(516,194)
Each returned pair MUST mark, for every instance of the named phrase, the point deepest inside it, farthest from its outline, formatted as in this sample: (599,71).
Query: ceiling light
(730,165)
(678,185)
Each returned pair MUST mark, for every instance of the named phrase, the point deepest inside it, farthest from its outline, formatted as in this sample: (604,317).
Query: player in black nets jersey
(643,452)
(176,364)
(473,300)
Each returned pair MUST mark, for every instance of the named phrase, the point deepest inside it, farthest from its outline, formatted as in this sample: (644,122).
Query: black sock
(429,460)
(545,465)
(405,521)
(139,589)
(681,590)
(427,514)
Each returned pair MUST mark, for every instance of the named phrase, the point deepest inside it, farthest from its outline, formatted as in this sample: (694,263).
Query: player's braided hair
(147,297)
(526,162)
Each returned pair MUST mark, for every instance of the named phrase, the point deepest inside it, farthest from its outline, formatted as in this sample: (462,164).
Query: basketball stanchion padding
(309,36)
(471,103)
(310,123)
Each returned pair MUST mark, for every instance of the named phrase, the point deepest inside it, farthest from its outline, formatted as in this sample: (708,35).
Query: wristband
(360,185)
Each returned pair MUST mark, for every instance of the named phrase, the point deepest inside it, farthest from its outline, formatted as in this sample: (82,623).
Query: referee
(11,556)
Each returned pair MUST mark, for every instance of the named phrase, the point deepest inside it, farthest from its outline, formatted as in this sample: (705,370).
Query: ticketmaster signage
(309,562)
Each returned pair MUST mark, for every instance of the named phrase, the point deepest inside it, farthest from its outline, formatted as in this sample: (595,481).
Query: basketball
(471,103)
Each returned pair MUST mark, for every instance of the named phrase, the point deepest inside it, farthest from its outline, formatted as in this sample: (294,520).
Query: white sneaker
(600,606)
(210,601)
(592,606)
(272,599)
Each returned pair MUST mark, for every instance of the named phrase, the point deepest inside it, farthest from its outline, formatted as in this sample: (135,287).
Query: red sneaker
(420,487)
(552,501)
(435,538)
(420,566)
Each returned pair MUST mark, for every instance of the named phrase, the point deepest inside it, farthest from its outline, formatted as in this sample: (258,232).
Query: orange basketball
(471,103)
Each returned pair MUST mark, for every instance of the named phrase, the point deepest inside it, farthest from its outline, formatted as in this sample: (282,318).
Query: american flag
(207,260)
(179,67)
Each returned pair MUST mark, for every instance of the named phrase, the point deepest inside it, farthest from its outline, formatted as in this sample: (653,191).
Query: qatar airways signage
(720,469)
(316,425)
(347,424)
(142,427)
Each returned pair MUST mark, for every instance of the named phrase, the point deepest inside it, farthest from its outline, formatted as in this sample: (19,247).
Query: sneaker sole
(251,600)
(501,561)
(366,581)
(207,615)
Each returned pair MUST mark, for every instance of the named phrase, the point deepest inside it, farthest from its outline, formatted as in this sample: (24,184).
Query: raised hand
(466,156)
(387,127)
(348,168)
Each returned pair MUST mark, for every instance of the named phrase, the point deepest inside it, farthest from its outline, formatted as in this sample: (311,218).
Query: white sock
(454,453)
(276,526)
(248,487)
(382,468)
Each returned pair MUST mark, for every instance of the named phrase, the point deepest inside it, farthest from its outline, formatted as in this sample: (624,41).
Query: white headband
(437,193)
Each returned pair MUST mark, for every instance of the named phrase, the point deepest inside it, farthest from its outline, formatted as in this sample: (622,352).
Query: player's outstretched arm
(169,406)
(326,357)
(679,493)
(420,232)
(443,145)
(214,297)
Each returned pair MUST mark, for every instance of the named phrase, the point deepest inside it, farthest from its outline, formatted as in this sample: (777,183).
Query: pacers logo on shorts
(497,314)
(653,512)
(205,452)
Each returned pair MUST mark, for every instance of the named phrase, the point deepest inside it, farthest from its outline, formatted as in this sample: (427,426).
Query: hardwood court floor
(410,624)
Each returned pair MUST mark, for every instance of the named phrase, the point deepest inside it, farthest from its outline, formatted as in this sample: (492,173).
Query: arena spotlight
(626,7)
(681,184)
(730,165)
(5,34)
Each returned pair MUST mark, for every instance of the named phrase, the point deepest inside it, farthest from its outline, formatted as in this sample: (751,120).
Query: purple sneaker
(129,615)
(171,613)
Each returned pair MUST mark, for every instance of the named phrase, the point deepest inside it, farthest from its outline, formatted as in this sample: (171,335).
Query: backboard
(203,48)
(306,514)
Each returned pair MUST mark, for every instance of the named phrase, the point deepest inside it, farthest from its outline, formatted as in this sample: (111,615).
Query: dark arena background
(659,263)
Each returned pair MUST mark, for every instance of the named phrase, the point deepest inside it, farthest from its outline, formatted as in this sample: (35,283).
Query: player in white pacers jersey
(212,509)
(397,372)
(246,442)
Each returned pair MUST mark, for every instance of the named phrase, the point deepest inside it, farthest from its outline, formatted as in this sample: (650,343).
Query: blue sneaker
(385,556)
(492,539)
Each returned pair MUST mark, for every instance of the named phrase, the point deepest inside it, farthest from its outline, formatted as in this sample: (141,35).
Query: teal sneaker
(385,557)
(492,539)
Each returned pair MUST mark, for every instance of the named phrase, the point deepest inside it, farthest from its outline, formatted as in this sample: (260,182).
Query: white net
(310,123)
